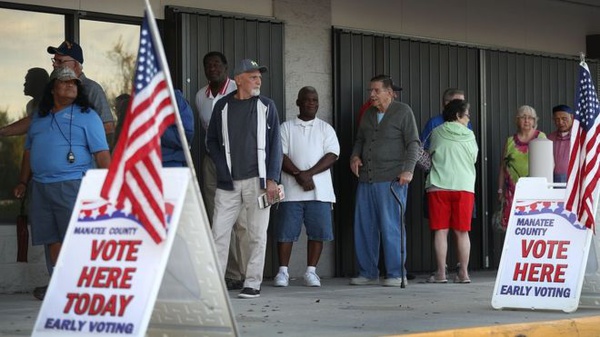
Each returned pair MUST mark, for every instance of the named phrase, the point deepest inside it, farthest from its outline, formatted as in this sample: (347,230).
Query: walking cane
(397,197)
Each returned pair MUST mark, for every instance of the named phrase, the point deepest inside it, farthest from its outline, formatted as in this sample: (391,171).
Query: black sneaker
(40,292)
(249,293)
(234,284)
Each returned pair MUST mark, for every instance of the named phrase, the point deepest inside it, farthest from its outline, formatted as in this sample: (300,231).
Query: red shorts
(450,209)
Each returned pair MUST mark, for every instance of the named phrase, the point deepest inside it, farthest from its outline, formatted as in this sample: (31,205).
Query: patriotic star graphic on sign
(547,207)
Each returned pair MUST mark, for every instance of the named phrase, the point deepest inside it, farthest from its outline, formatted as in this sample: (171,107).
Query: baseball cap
(247,65)
(64,74)
(68,48)
(562,107)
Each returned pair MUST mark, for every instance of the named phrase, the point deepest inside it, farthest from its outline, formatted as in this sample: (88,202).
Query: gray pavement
(338,309)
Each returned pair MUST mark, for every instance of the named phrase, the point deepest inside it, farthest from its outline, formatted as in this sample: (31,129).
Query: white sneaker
(312,280)
(363,281)
(282,280)
(394,282)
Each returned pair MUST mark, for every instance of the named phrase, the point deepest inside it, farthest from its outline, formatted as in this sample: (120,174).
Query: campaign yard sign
(545,251)
(110,271)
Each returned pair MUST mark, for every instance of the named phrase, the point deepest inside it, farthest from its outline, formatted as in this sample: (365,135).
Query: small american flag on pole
(134,176)
(584,169)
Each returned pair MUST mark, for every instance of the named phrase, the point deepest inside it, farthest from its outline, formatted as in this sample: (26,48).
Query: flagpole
(163,62)
(162,59)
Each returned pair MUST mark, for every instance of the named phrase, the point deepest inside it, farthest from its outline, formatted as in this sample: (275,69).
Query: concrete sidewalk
(338,309)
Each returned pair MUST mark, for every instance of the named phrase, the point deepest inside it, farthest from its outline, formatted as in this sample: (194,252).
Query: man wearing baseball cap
(561,141)
(243,140)
(70,55)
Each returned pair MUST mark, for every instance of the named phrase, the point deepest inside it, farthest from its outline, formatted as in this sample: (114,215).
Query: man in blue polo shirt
(449,95)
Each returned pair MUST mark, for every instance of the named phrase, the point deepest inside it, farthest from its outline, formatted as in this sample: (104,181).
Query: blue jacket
(433,123)
(269,152)
(170,144)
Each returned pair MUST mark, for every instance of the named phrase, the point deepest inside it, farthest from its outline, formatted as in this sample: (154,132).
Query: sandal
(458,279)
(433,279)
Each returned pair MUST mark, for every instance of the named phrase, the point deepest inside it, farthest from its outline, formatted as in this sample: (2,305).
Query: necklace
(70,155)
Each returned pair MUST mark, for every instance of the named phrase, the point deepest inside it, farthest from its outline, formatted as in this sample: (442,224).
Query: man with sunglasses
(69,55)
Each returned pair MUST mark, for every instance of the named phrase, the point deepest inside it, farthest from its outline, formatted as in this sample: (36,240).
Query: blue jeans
(51,205)
(560,178)
(316,216)
(377,213)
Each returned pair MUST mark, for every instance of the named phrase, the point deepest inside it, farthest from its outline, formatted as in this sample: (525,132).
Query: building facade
(502,53)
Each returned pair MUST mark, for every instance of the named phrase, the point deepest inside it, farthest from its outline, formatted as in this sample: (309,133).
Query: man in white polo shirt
(310,148)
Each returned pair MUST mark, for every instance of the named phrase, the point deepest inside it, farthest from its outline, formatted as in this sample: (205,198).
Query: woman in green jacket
(450,188)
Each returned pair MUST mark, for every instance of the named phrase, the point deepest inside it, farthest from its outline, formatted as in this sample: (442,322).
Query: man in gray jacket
(69,55)
(385,152)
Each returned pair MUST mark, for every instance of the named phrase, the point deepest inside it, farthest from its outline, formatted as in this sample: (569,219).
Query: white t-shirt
(205,102)
(305,143)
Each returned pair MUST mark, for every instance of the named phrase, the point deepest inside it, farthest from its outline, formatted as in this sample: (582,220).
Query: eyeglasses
(377,90)
(528,118)
(59,61)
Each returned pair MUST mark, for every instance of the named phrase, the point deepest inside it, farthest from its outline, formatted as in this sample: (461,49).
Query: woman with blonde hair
(515,157)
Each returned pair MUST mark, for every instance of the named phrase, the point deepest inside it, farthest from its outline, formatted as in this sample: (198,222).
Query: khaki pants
(236,267)
(228,205)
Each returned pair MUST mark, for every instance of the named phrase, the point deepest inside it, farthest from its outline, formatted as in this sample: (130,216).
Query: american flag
(134,176)
(583,162)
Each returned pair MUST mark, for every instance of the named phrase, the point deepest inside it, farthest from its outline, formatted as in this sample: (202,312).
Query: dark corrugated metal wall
(496,84)
(424,70)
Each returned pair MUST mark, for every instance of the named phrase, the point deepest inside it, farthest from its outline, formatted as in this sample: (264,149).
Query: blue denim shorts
(315,215)
(50,208)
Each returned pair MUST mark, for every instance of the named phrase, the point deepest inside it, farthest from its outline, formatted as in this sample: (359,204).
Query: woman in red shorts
(450,188)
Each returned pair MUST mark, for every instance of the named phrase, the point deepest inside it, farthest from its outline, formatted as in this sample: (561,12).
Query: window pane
(109,51)
(25,37)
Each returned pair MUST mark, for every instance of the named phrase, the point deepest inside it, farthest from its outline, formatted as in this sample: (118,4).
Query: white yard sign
(110,271)
(545,252)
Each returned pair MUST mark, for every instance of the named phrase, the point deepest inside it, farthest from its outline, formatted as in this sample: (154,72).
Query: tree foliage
(125,62)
